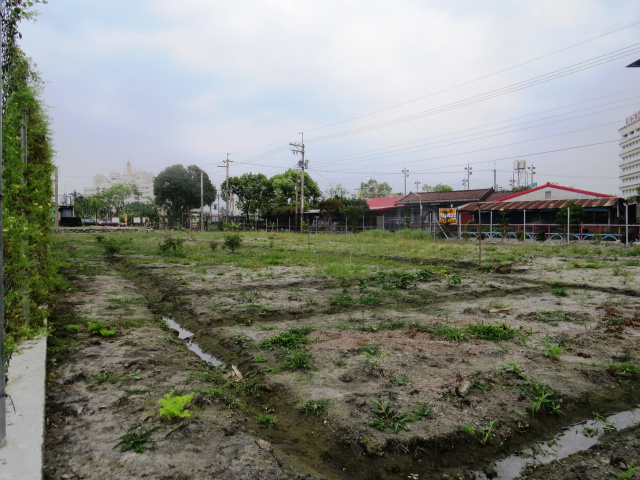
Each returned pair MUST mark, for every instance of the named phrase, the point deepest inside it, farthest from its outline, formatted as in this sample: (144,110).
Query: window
(547,195)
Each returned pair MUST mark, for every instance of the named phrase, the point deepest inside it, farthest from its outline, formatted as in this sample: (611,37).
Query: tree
(115,197)
(353,209)
(373,189)
(285,185)
(177,190)
(572,210)
(139,209)
(329,208)
(438,188)
(337,191)
(254,192)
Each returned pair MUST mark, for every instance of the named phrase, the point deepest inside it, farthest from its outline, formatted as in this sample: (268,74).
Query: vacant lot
(364,356)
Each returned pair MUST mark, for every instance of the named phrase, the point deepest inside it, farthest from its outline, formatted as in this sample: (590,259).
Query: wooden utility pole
(299,148)
(201,201)
(226,165)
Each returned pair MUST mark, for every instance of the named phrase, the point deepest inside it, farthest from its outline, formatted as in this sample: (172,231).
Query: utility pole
(469,172)
(226,165)
(418,182)
(406,174)
(302,164)
(201,201)
(532,168)
(495,184)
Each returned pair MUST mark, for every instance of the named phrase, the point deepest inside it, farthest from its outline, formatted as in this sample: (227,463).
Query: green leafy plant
(260,358)
(297,359)
(622,369)
(315,407)
(373,352)
(514,368)
(267,420)
(400,381)
(559,292)
(387,417)
(98,327)
(543,396)
(73,328)
(213,245)
(291,339)
(174,406)
(342,299)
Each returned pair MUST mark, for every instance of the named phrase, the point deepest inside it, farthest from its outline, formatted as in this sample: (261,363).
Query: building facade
(630,156)
(142,180)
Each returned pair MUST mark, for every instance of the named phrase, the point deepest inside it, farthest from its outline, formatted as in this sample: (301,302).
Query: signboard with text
(448,216)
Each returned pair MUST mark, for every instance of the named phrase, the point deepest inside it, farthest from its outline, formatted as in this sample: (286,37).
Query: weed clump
(315,407)
(110,246)
(172,247)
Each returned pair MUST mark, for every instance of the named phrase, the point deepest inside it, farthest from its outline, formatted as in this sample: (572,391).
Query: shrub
(213,245)
(232,242)
(111,246)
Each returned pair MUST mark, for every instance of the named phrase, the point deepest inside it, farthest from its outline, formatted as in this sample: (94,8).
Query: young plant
(73,328)
(553,351)
(373,352)
(315,407)
(136,439)
(400,381)
(266,420)
(483,434)
(173,407)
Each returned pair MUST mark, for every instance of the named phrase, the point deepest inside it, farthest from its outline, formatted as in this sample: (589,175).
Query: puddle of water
(573,439)
(184,334)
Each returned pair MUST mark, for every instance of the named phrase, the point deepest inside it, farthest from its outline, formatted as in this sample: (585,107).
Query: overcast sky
(376,86)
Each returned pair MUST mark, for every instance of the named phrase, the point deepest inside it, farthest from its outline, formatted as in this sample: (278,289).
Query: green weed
(266,420)
(174,406)
(315,407)
(136,439)
(553,351)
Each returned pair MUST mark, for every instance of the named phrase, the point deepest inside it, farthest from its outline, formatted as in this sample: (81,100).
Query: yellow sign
(448,216)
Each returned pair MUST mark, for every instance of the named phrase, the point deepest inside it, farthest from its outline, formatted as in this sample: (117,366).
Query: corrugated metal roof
(539,204)
(382,203)
(441,197)
(495,196)
(569,191)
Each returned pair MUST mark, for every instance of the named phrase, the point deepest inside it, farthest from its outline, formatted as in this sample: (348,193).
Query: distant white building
(630,156)
(142,180)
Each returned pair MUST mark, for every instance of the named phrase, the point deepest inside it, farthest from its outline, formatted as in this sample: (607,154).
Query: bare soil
(101,388)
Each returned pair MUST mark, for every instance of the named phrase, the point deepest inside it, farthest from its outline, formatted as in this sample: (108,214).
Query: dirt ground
(567,327)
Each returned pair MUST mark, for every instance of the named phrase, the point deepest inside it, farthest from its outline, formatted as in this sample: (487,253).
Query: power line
(553,75)
(474,80)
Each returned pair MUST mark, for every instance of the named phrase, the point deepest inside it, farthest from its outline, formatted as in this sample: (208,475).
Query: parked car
(108,223)
(87,222)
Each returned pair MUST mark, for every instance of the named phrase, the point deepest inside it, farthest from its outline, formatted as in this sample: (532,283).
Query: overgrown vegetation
(30,271)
